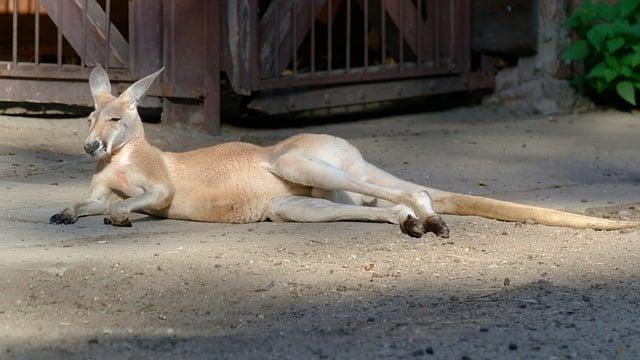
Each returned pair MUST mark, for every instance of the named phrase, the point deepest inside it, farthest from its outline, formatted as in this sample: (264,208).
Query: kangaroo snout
(91,147)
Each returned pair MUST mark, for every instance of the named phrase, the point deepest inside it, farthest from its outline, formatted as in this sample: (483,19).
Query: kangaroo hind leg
(302,168)
(307,209)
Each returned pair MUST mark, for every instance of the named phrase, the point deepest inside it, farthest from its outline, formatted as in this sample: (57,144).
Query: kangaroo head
(115,120)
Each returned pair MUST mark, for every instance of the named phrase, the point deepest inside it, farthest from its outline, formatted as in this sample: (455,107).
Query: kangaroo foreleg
(96,204)
(154,199)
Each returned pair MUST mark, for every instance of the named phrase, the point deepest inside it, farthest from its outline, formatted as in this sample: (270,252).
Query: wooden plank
(504,26)
(146,23)
(267,29)
(349,95)
(237,43)
(71,27)
(409,21)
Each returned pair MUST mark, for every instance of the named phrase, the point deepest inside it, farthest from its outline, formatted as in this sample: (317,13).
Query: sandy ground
(168,289)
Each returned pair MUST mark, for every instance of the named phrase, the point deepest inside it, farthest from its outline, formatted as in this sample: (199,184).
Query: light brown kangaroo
(305,178)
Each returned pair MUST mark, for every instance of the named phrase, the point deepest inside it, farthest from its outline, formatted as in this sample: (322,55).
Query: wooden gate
(284,55)
(47,48)
(311,50)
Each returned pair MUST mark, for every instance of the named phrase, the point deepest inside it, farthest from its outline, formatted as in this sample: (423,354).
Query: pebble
(513,346)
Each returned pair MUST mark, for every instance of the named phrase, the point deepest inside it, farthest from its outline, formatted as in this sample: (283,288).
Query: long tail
(459,204)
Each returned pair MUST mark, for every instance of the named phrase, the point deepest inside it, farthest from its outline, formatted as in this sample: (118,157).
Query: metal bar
(313,36)
(107,31)
(401,38)
(383,26)
(255,63)
(277,35)
(36,45)
(348,48)
(453,36)
(366,34)
(436,34)
(294,38)
(419,32)
(14,37)
(83,51)
(329,34)
(132,35)
(59,45)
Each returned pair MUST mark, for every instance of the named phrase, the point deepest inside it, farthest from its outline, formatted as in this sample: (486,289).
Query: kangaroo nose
(91,147)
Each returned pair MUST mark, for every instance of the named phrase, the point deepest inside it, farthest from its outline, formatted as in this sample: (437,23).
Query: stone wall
(539,83)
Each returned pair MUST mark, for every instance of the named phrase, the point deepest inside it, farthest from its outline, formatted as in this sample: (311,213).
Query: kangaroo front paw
(412,227)
(435,225)
(63,217)
(117,221)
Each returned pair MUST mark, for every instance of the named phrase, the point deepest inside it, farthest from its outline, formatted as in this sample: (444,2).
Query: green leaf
(597,35)
(612,62)
(609,75)
(626,91)
(572,21)
(577,51)
(625,71)
(605,11)
(615,44)
(634,30)
(597,71)
(600,85)
(626,7)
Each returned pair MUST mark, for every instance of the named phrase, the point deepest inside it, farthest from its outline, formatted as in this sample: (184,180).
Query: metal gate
(311,48)
(284,55)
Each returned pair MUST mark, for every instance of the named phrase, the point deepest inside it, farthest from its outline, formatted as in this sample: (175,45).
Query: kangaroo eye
(114,119)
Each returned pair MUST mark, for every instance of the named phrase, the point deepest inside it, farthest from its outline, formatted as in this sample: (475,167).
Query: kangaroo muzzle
(91,147)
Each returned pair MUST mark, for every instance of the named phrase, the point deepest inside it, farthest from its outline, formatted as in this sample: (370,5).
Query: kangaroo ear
(99,84)
(136,92)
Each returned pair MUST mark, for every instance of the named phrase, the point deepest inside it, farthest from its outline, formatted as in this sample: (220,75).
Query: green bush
(609,46)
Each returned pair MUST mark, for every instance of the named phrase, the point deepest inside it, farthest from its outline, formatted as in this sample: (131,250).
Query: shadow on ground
(535,320)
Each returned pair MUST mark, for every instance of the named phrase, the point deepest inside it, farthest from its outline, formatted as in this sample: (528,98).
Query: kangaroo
(305,178)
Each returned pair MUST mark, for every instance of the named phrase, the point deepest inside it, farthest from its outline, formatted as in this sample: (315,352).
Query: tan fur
(307,177)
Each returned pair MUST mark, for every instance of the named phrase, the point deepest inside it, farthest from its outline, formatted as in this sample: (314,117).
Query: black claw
(62,218)
(436,226)
(108,221)
(412,227)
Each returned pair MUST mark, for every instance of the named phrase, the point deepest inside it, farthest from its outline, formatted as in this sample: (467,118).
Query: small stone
(484,329)
(417,353)
(506,282)
(429,350)
(162,317)
(513,346)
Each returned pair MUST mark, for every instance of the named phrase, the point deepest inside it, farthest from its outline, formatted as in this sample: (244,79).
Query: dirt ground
(168,289)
